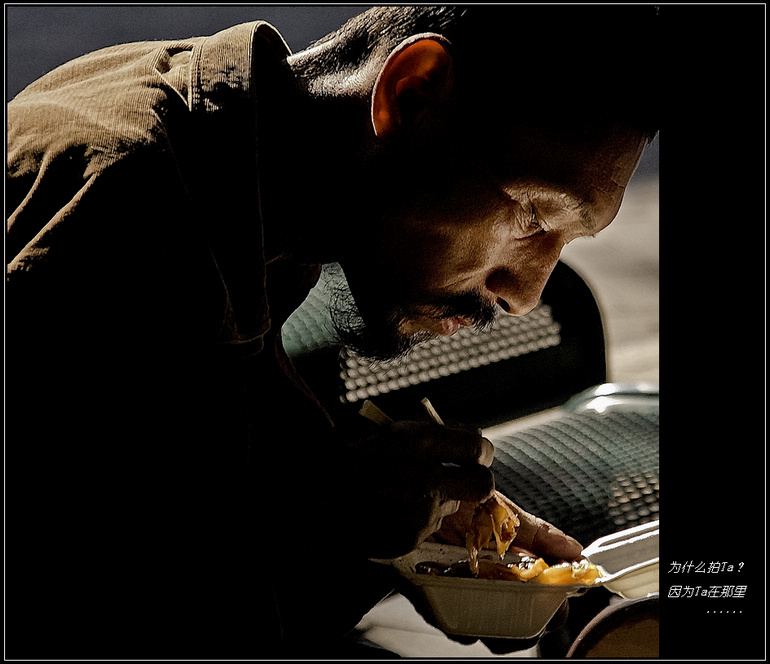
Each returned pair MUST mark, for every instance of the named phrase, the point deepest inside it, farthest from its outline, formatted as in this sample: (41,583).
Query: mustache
(377,337)
(469,306)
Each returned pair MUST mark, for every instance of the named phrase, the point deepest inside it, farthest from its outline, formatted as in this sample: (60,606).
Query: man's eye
(534,225)
(525,218)
(527,227)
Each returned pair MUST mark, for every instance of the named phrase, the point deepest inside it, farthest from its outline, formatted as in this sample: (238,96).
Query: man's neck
(308,160)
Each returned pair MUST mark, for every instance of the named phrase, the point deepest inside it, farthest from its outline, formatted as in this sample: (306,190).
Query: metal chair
(626,628)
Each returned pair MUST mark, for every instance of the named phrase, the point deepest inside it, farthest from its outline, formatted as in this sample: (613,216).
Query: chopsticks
(432,411)
(376,415)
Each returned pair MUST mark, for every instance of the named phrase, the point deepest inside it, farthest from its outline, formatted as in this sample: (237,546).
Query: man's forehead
(575,161)
(559,141)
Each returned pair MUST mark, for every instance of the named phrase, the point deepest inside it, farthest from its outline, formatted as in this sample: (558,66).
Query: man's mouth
(449,326)
(436,326)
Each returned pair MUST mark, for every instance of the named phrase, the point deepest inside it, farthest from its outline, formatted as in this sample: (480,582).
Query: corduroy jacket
(152,502)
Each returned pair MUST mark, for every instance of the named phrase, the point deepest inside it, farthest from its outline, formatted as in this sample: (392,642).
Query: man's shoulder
(110,102)
(124,98)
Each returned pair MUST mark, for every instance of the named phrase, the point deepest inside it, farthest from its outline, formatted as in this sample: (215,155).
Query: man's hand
(396,485)
(533,535)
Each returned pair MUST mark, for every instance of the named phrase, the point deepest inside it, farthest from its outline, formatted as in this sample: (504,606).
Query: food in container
(481,607)
(626,563)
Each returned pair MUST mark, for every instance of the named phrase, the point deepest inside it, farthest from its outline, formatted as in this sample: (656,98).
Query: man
(174,488)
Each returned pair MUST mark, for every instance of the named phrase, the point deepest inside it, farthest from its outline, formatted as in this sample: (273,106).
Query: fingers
(542,538)
(472,483)
(448,508)
(445,444)
(453,486)
(551,541)
(454,527)
(487,454)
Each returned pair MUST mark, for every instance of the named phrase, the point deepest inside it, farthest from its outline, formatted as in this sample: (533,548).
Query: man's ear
(417,72)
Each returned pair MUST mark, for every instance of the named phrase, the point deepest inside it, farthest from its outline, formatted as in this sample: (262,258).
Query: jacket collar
(225,71)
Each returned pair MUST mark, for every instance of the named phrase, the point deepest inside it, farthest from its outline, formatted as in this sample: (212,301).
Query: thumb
(540,537)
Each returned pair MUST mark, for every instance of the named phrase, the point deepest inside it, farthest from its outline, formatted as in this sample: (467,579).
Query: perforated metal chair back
(591,467)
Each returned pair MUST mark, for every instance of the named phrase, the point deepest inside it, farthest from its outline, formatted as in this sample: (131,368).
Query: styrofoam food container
(489,608)
(629,560)
(482,607)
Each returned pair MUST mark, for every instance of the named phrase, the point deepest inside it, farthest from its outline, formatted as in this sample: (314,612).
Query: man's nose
(517,289)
